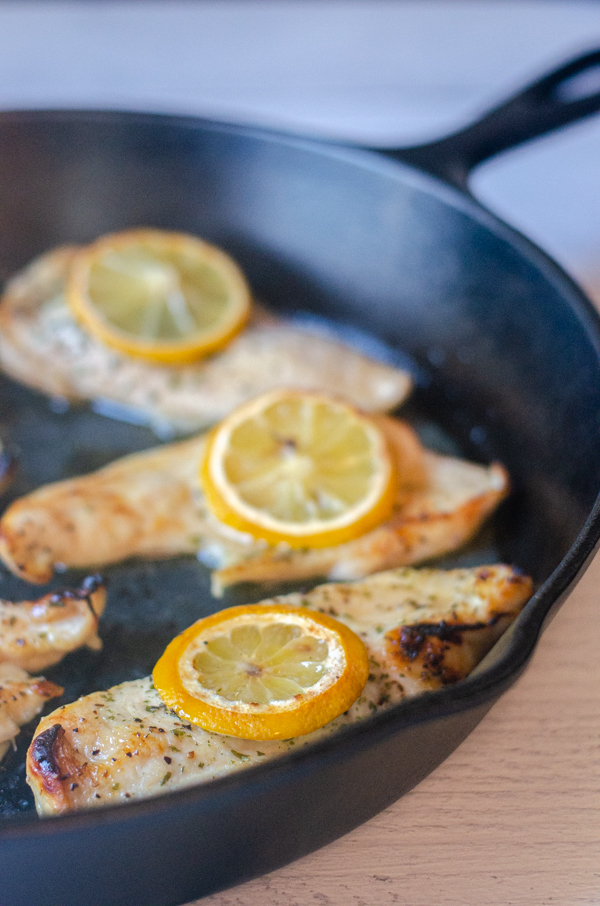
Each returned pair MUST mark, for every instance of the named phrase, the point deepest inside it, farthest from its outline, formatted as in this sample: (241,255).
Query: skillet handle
(563,96)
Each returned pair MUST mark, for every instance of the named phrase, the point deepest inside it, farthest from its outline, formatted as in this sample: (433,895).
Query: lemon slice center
(263,665)
(254,664)
(153,297)
(300,462)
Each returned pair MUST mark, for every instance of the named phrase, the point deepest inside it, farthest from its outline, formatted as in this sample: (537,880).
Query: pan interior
(361,248)
(148,602)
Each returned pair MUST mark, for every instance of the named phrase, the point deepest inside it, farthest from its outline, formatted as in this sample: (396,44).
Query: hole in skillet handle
(563,96)
(579,86)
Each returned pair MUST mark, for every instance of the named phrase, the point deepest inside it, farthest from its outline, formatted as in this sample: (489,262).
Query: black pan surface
(506,352)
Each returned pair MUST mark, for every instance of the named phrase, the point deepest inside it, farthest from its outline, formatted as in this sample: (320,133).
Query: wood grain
(512,818)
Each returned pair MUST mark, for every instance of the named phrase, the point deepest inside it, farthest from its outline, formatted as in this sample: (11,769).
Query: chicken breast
(422,628)
(37,634)
(439,517)
(151,505)
(42,346)
(21,698)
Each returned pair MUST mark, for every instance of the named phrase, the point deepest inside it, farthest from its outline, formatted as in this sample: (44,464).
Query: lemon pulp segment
(299,468)
(262,672)
(256,664)
(168,297)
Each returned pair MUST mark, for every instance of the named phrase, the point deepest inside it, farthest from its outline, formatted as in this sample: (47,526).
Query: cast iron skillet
(507,354)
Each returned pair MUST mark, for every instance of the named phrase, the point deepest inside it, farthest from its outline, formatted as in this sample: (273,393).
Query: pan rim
(475,690)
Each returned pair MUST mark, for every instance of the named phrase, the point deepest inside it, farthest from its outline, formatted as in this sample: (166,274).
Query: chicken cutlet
(43,346)
(37,634)
(151,505)
(21,698)
(423,629)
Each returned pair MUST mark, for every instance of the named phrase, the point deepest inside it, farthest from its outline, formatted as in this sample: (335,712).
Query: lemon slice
(299,468)
(167,297)
(262,671)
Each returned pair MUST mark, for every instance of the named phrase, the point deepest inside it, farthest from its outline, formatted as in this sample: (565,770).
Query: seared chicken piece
(42,346)
(454,500)
(21,698)
(37,634)
(144,505)
(422,628)
(150,505)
